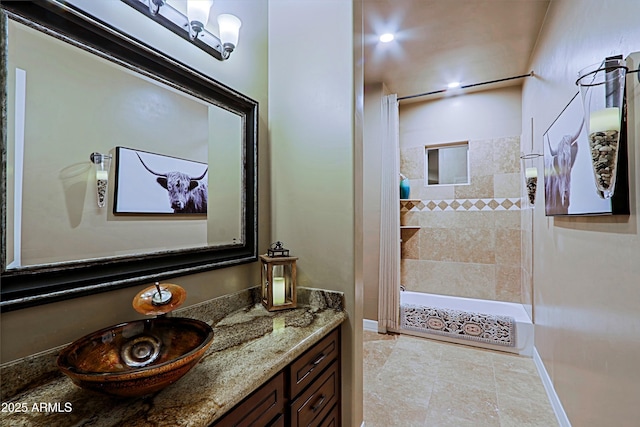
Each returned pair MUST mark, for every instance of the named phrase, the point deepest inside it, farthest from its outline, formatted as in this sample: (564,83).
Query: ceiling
(440,41)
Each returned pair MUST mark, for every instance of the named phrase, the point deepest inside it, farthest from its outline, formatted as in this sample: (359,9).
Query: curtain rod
(467,86)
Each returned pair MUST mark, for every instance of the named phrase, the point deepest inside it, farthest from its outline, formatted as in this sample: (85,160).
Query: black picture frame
(142,191)
(31,286)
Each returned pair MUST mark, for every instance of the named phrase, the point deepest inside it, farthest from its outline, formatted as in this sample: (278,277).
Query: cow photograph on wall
(569,182)
(150,183)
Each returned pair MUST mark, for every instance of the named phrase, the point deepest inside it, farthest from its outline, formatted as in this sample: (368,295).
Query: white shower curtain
(389,282)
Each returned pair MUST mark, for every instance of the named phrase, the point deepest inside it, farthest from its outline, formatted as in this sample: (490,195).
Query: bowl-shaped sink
(136,358)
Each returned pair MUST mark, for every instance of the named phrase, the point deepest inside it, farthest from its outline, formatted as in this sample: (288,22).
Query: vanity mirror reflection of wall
(66,99)
(104,105)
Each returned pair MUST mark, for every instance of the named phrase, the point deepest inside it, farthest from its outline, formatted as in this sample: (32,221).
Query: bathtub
(523,325)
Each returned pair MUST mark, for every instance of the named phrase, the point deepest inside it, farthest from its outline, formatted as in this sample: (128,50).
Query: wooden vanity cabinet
(312,406)
(311,363)
(264,407)
(333,419)
(314,382)
(305,393)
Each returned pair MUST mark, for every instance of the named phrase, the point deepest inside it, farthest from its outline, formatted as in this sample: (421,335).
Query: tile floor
(410,381)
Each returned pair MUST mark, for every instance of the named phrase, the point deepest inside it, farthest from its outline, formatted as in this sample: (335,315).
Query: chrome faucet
(163,296)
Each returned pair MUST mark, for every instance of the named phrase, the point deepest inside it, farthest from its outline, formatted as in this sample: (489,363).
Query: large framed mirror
(73,86)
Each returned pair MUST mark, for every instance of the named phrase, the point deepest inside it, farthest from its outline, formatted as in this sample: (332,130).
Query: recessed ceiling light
(386,37)
(453,85)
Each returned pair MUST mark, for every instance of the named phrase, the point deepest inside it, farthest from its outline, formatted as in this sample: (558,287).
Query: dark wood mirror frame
(32,286)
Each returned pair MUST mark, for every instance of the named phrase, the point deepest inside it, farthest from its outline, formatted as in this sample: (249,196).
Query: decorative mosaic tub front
(488,328)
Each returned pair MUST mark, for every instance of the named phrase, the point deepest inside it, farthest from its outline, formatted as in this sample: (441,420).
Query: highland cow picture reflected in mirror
(150,183)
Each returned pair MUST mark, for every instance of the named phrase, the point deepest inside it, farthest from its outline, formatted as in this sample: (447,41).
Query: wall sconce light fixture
(602,88)
(192,26)
(530,171)
(102,163)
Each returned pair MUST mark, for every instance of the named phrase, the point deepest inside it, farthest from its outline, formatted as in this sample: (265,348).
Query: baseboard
(563,420)
(370,325)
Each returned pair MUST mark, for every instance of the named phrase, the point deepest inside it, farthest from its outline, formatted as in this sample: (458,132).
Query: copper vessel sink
(136,358)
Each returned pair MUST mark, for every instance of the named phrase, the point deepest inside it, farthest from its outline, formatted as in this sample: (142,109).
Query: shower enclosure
(461,240)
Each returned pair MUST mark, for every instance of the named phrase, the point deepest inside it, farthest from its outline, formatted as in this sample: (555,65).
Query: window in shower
(447,164)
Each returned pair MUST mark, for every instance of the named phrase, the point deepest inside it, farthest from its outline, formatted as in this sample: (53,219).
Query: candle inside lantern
(103,175)
(605,119)
(278,290)
(531,173)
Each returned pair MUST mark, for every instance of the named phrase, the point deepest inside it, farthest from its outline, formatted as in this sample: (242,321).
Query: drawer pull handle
(319,359)
(317,406)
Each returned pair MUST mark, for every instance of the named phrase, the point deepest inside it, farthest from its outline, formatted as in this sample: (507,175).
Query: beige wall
(313,154)
(27,331)
(355,388)
(586,270)
(59,189)
(478,115)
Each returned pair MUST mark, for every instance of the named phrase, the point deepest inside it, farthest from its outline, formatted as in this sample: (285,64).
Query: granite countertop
(250,346)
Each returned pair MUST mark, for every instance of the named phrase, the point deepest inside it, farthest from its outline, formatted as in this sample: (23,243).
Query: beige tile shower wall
(469,240)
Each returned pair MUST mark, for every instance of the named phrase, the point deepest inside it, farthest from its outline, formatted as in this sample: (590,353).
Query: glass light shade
(102,163)
(602,89)
(229,26)
(530,172)
(198,11)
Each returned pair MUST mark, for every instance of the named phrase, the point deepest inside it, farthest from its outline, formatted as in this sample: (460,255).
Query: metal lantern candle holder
(278,278)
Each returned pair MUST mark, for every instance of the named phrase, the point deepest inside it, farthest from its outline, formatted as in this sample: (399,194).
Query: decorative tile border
(471,205)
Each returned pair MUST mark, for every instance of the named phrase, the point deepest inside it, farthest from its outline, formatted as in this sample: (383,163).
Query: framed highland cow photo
(150,183)
(569,181)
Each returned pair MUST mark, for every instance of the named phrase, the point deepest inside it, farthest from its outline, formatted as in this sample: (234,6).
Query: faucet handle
(162,297)
(159,299)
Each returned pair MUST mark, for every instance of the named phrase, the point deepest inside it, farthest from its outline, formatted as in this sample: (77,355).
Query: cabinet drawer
(313,405)
(308,366)
(333,419)
(260,407)
(279,422)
